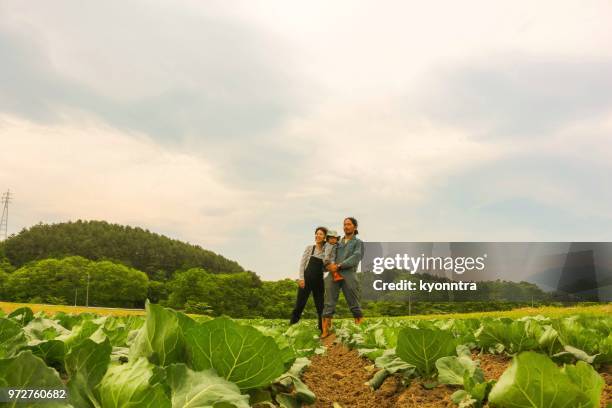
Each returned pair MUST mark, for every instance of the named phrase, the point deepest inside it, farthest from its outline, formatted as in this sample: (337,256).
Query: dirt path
(339,376)
(606,399)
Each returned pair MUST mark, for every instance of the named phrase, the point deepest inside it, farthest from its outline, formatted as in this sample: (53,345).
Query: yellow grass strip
(8,307)
(547,311)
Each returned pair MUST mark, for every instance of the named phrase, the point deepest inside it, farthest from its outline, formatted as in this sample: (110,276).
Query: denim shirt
(349,254)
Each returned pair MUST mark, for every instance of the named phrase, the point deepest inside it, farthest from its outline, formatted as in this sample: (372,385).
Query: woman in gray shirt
(311,277)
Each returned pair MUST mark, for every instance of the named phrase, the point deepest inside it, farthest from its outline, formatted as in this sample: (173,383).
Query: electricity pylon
(6,198)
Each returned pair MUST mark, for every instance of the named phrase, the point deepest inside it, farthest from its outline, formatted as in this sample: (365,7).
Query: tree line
(110,265)
(77,280)
(156,255)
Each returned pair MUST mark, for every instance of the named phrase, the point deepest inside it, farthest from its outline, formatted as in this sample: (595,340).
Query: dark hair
(322,229)
(355,223)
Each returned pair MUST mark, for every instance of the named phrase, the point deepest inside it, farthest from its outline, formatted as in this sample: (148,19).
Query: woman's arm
(304,260)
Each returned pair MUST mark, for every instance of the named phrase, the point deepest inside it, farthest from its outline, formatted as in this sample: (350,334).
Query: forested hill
(157,255)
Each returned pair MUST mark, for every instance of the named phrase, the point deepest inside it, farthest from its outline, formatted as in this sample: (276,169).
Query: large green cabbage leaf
(200,389)
(86,365)
(422,347)
(12,338)
(28,371)
(161,339)
(240,354)
(534,381)
(133,385)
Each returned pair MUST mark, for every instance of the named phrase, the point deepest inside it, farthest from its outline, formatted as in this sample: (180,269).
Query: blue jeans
(349,286)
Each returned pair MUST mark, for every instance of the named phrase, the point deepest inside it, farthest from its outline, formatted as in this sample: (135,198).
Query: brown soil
(606,397)
(416,395)
(493,365)
(339,377)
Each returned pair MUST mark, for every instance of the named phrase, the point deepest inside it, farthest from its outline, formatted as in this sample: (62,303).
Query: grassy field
(8,307)
(549,311)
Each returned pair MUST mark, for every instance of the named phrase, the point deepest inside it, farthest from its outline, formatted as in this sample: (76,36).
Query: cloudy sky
(240,126)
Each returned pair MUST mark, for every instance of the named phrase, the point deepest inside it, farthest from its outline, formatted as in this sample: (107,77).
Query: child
(329,257)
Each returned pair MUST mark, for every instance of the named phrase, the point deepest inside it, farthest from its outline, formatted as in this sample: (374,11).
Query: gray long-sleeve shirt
(319,253)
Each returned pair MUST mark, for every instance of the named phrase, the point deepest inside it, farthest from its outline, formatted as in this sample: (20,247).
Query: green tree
(3,278)
(157,291)
(235,295)
(155,254)
(58,280)
(47,278)
(116,285)
(279,300)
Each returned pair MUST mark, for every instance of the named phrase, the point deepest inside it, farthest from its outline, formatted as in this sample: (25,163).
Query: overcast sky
(241,126)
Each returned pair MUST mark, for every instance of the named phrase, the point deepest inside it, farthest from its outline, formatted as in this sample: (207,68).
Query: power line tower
(6,198)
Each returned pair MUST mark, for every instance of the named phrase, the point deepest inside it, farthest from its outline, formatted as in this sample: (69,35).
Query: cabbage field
(169,359)
(548,362)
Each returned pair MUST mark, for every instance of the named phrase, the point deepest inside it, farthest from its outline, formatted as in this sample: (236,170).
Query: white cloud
(358,49)
(89,170)
(379,150)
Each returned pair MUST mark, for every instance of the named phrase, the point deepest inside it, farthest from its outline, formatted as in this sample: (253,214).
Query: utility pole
(409,305)
(6,198)
(87,293)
